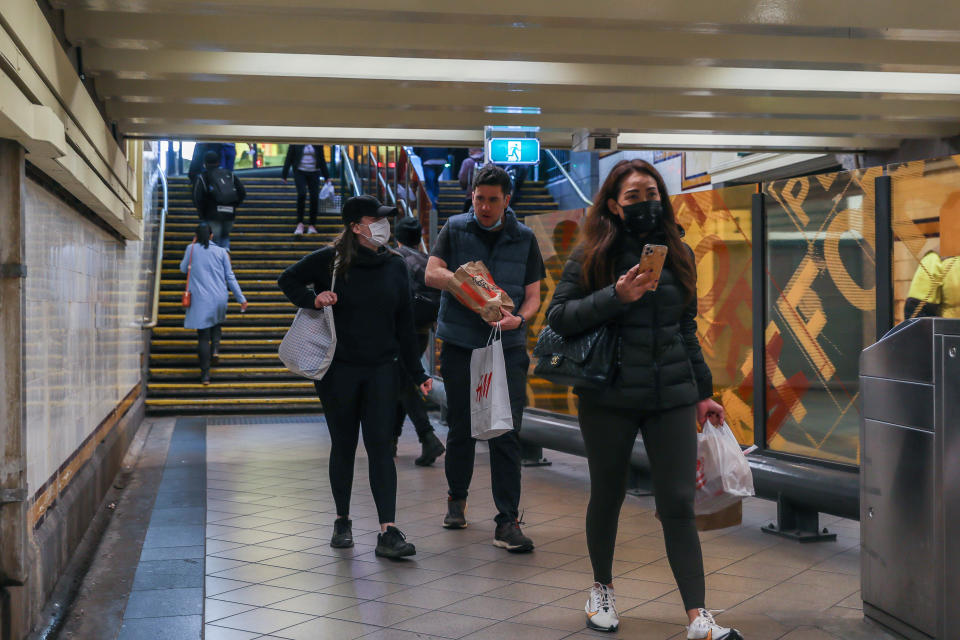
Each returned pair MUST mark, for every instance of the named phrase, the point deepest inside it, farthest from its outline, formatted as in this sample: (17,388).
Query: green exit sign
(513,150)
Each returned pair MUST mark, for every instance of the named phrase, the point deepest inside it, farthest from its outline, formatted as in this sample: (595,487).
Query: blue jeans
(220,232)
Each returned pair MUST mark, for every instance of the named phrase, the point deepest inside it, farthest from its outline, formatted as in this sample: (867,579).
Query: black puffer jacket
(661,364)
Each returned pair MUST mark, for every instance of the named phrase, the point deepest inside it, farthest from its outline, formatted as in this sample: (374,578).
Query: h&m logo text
(483,389)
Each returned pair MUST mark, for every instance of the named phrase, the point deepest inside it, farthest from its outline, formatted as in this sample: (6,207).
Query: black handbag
(586,360)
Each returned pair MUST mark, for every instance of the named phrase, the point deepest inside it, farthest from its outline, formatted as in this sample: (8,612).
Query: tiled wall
(84,305)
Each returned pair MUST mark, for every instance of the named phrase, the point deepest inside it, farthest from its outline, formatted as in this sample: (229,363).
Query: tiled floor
(271,574)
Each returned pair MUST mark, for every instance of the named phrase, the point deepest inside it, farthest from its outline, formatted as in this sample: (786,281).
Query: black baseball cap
(409,230)
(359,206)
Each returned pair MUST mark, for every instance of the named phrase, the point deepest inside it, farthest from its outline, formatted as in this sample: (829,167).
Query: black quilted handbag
(586,360)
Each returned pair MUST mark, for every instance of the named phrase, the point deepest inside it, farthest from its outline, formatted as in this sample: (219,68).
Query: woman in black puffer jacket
(662,385)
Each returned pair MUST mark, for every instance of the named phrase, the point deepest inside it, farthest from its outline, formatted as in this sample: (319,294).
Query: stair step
(192,374)
(189,406)
(237,332)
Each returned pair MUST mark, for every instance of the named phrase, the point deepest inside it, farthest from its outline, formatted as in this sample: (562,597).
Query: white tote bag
(490,414)
(308,346)
(723,473)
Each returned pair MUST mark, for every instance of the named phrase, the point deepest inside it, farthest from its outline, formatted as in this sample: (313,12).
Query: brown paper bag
(473,286)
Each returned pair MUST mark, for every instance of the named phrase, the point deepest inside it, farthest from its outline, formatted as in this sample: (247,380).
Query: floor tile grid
(565,537)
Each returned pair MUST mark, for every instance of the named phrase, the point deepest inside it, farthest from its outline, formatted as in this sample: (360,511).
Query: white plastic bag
(326,192)
(490,414)
(308,346)
(723,473)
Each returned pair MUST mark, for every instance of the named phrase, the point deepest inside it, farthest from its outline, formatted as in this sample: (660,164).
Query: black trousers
(670,438)
(355,398)
(461,447)
(208,341)
(304,181)
(411,401)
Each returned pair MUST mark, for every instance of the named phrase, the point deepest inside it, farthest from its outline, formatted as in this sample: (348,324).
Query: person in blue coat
(210,275)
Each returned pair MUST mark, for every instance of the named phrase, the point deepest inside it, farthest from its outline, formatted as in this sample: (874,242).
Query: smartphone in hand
(652,259)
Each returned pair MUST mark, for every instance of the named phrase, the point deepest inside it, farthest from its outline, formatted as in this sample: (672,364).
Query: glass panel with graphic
(926,238)
(821,310)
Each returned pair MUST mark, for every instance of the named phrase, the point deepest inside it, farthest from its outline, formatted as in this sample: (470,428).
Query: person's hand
(708,408)
(427,386)
(508,321)
(243,306)
(325,299)
(632,285)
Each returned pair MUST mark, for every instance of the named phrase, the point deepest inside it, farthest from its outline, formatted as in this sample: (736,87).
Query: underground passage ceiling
(747,74)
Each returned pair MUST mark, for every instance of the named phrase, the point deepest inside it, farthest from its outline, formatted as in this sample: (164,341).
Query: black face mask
(642,217)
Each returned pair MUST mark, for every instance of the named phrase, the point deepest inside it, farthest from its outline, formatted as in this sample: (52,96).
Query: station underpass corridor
(235,537)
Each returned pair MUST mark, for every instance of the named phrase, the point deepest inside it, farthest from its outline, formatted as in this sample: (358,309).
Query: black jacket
(661,364)
(205,202)
(373,315)
(295,153)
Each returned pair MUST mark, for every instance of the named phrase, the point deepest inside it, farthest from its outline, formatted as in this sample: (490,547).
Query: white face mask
(379,232)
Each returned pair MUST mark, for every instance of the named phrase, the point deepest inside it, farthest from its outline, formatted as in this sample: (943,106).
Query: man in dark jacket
(217,193)
(489,232)
(426,303)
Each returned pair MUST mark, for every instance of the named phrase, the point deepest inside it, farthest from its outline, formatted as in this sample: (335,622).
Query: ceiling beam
(298,115)
(322,92)
(464,138)
(932,15)
(154,64)
(245,32)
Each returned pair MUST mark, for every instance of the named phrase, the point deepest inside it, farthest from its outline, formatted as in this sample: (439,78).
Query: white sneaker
(601,609)
(299,230)
(706,628)
(311,230)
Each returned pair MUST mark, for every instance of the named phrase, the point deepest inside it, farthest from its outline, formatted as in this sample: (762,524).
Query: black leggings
(356,396)
(208,342)
(670,438)
(304,181)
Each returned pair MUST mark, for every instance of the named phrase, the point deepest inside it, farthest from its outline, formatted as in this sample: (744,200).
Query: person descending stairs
(247,376)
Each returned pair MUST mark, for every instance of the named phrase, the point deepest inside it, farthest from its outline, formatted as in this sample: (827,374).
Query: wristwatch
(523,322)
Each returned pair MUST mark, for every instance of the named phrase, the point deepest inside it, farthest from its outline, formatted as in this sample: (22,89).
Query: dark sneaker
(508,536)
(432,449)
(456,514)
(393,544)
(342,534)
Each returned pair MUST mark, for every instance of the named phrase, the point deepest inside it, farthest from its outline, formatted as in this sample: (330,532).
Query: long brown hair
(602,229)
(345,247)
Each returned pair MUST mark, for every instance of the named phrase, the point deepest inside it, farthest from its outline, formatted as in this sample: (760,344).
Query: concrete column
(13,434)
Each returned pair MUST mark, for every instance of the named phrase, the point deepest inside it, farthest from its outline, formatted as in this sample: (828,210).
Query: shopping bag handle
(495,334)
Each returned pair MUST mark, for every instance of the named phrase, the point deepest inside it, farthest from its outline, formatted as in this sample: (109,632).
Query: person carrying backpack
(426,305)
(217,193)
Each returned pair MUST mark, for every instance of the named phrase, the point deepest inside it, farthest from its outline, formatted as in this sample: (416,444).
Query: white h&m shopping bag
(723,473)
(490,414)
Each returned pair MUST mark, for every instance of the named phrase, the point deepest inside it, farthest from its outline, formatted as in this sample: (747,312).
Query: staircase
(534,199)
(249,377)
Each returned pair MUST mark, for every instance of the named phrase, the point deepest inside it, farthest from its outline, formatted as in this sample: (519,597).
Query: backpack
(426,300)
(221,186)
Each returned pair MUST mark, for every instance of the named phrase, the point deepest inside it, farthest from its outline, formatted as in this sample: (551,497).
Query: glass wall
(821,310)
(718,229)
(926,238)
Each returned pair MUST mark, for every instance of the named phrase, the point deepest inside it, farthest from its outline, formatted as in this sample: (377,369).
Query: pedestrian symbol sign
(513,150)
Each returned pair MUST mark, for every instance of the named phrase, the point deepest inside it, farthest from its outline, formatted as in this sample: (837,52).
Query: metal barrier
(151,322)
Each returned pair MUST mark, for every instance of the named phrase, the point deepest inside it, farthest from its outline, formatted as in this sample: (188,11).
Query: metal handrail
(152,323)
(587,201)
(391,196)
(351,174)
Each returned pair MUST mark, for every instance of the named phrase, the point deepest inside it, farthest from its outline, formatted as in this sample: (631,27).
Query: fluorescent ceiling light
(535,111)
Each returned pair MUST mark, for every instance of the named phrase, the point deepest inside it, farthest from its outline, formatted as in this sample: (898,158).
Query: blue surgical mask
(494,226)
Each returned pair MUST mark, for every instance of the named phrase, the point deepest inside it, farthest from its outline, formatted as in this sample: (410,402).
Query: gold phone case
(652,258)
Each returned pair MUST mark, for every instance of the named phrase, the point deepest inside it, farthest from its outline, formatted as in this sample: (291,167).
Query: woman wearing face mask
(662,385)
(373,315)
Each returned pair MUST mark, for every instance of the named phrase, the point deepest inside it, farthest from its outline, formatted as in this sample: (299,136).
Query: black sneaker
(432,449)
(508,536)
(342,534)
(456,514)
(393,544)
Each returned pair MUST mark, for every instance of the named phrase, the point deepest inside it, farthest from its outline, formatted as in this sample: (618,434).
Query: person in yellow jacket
(950,288)
(924,296)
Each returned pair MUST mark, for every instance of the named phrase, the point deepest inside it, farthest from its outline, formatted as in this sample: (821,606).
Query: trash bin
(910,478)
